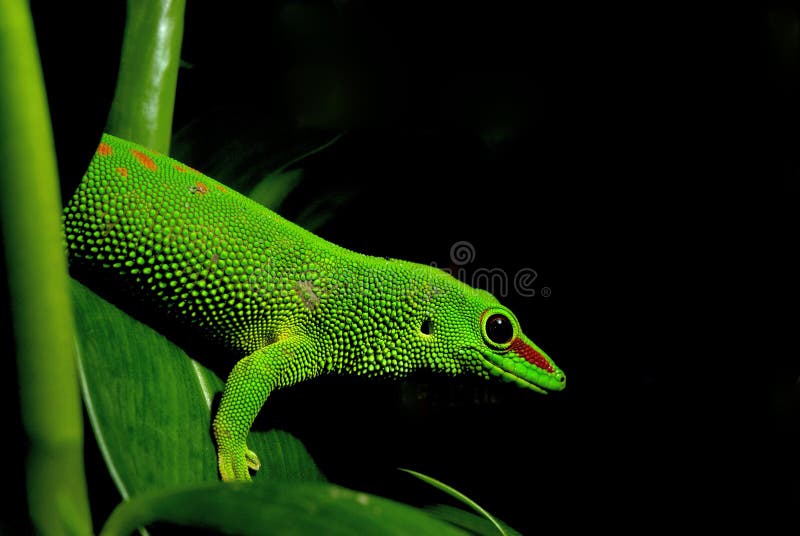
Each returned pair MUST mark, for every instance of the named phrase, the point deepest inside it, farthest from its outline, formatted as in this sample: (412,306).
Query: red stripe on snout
(530,354)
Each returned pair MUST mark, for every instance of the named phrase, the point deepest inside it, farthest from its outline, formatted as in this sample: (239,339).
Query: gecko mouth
(497,370)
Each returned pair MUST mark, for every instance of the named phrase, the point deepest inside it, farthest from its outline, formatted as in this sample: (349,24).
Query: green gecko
(286,303)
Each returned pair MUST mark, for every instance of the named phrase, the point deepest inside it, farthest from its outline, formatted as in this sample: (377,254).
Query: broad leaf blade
(276,508)
(149,404)
(283,457)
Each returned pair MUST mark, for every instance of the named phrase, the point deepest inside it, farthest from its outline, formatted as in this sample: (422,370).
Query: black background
(628,170)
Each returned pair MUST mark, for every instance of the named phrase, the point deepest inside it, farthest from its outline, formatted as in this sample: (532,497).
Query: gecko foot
(235,460)
(252,460)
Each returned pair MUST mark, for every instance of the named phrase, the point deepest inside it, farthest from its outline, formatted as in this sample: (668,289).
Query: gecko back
(163,233)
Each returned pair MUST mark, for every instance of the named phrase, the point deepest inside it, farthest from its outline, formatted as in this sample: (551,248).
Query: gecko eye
(498,330)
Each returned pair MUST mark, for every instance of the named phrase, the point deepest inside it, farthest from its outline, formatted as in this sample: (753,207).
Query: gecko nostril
(425,328)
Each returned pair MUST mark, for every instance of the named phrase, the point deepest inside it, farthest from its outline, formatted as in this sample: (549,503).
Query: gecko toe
(235,466)
(253,463)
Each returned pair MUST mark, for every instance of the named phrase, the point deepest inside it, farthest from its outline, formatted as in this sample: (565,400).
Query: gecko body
(285,303)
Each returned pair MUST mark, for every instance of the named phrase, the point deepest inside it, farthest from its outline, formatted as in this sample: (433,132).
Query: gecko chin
(522,373)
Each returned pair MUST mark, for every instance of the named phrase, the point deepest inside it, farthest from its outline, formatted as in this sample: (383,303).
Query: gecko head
(468,329)
(504,351)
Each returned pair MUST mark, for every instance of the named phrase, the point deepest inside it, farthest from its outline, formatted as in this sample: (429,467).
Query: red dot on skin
(201,188)
(145,160)
(180,168)
(104,149)
(122,171)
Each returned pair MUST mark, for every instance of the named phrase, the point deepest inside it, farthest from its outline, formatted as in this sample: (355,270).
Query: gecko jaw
(511,378)
(508,376)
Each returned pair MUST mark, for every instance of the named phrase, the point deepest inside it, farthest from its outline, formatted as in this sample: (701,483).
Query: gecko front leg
(248,386)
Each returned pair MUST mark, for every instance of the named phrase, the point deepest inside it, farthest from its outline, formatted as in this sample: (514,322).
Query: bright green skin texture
(286,303)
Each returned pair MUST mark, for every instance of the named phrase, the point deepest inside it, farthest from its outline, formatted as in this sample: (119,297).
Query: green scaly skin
(286,303)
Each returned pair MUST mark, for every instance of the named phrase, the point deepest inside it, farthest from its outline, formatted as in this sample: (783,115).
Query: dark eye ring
(498,330)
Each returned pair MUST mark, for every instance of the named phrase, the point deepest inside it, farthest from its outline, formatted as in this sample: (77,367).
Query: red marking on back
(122,171)
(530,354)
(104,149)
(180,168)
(201,188)
(221,188)
(145,160)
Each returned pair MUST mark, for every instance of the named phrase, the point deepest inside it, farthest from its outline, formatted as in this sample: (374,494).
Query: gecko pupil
(499,329)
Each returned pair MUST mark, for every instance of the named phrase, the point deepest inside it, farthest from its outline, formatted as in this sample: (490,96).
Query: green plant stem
(38,286)
(148,73)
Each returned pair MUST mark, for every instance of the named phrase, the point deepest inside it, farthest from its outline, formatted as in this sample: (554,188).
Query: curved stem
(148,73)
(38,286)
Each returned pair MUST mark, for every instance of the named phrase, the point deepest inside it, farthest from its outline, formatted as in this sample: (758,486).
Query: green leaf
(242,154)
(276,508)
(275,187)
(264,163)
(460,496)
(480,526)
(149,405)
